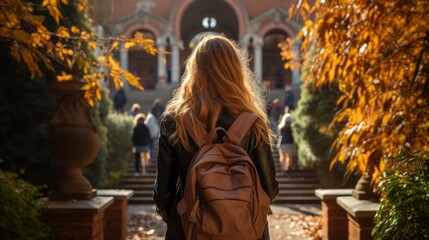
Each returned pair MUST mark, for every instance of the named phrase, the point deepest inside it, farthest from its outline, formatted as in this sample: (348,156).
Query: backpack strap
(240,126)
(196,130)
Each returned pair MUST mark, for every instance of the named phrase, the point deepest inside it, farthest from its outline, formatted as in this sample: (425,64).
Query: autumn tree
(41,41)
(377,52)
(41,46)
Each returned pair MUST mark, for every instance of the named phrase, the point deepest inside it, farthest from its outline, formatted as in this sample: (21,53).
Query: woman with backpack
(217,87)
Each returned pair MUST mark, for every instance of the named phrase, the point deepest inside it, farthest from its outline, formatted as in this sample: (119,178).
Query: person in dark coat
(157,109)
(119,100)
(289,98)
(217,86)
(140,139)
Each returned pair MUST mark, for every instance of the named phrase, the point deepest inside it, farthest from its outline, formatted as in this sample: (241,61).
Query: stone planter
(73,141)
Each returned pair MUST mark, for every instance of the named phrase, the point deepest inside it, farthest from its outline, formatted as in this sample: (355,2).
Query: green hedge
(119,154)
(20,211)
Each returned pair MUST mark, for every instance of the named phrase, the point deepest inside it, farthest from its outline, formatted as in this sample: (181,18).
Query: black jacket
(141,135)
(173,162)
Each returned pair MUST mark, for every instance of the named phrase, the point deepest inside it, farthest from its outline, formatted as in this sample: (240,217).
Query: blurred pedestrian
(140,139)
(289,96)
(153,127)
(119,100)
(135,109)
(275,112)
(157,109)
(285,143)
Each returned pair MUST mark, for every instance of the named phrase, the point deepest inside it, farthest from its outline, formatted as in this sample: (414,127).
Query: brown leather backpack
(223,197)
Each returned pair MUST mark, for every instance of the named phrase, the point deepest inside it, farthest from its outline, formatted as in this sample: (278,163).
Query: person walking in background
(217,86)
(119,100)
(140,139)
(289,100)
(285,143)
(275,112)
(157,108)
(153,127)
(135,109)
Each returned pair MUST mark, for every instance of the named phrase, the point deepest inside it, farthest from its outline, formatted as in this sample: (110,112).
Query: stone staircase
(297,186)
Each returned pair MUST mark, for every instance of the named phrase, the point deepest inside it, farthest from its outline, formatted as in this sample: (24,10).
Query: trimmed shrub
(313,134)
(20,211)
(119,151)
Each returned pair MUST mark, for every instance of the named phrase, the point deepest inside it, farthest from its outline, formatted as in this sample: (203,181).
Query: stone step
(297,192)
(280,199)
(283,179)
(282,186)
(295,186)
(279,175)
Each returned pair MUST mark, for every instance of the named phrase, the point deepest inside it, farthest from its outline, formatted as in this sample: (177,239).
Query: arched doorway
(142,64)
(207,17)
(274,74)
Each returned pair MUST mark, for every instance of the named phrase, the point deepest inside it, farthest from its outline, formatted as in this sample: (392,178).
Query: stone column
(162,68)
(81,219)
(334,218)
(257,54)
(115,218)
(296,74)
(175,63)
(360,214)
(123,59)
(99,51)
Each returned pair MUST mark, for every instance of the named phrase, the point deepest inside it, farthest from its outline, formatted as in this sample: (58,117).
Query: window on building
(209,22)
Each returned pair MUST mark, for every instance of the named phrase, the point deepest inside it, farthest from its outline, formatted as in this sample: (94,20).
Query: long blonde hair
(216,78)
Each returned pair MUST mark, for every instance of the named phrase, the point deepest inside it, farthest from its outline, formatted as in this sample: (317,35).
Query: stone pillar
(99,31)
(162,68)
(334,218)
(123,59)
(80,219)
(115,218)
(175,63)
(257,54)
(360,214)
(296,74)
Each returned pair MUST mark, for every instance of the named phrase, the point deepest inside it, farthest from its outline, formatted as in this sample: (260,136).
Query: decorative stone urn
(73,141)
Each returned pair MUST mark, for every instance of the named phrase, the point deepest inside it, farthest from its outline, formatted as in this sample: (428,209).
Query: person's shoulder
(167,122)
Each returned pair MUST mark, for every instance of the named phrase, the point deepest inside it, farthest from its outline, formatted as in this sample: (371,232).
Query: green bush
(404,206)
(20,211)
(119,154)
(313,134)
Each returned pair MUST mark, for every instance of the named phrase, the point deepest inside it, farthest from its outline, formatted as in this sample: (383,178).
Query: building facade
(177,25)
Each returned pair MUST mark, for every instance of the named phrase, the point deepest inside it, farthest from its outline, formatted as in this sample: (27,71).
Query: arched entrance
(142,64)
(207,16)
(274,74)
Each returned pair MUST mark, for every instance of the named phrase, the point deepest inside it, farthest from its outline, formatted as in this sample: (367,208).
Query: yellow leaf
(64,77)
(75,30)
(63,32)
(129,45)
(115,45)
(92,44)
(86,87)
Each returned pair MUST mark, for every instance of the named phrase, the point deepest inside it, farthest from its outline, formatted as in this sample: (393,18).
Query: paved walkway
(289,221)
